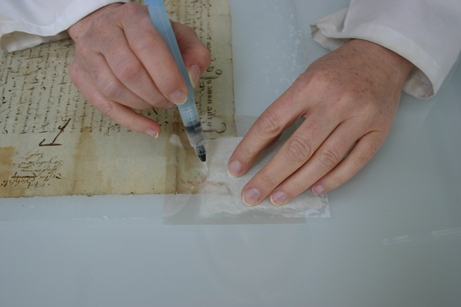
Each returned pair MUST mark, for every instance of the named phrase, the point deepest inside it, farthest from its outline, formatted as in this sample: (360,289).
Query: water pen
(188,110)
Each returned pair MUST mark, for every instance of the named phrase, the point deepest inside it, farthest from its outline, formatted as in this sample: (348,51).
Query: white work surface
(393,239)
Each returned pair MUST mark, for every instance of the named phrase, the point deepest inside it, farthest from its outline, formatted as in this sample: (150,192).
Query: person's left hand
(347,99)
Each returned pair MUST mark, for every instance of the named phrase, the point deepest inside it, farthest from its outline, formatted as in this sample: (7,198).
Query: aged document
(53,142)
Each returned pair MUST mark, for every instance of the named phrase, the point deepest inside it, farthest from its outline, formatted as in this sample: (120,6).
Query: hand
(121,63)
(347,100)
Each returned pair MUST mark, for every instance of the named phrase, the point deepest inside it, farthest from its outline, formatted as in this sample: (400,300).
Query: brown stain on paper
(87,178)
(6,161)
(7,155)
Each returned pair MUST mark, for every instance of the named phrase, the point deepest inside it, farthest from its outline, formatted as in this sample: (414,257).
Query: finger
(296,151)
(131,73)
(153,52)
(326,157)
(118,113)
(108,84)
(268,127)
(362,152)
(195,54)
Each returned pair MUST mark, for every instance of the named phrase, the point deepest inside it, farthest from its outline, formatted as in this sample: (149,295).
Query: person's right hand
(121,63)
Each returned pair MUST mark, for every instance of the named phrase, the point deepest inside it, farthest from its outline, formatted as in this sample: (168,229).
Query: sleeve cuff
(430,70)
(22,32)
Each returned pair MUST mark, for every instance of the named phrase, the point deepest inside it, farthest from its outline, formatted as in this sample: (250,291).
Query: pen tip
(202,157)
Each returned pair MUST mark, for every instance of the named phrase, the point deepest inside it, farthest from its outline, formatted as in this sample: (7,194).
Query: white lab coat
(426,32)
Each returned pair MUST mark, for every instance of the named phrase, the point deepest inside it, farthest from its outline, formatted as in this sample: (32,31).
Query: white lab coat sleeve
(28,23)
(426,32)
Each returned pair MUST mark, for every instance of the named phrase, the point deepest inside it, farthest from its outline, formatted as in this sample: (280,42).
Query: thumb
(195,54)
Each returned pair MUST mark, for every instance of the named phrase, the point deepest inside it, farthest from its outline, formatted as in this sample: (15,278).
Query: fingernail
(318,189)
(251,197)
(279,198)
(178,97)
(194,75)
(234,169)
(169,105)
(152,133)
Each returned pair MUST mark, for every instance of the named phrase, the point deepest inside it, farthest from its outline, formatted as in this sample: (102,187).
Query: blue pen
(188,110)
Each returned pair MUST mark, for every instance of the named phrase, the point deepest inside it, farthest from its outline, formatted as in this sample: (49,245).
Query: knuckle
(267,180)
(246,151)
(361,160)
(329,158)
(269,124)
(129,70)
(370,106)
(139,40)
(298,150)
(106,108)
(110,89)
(366,155)
(165,80)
